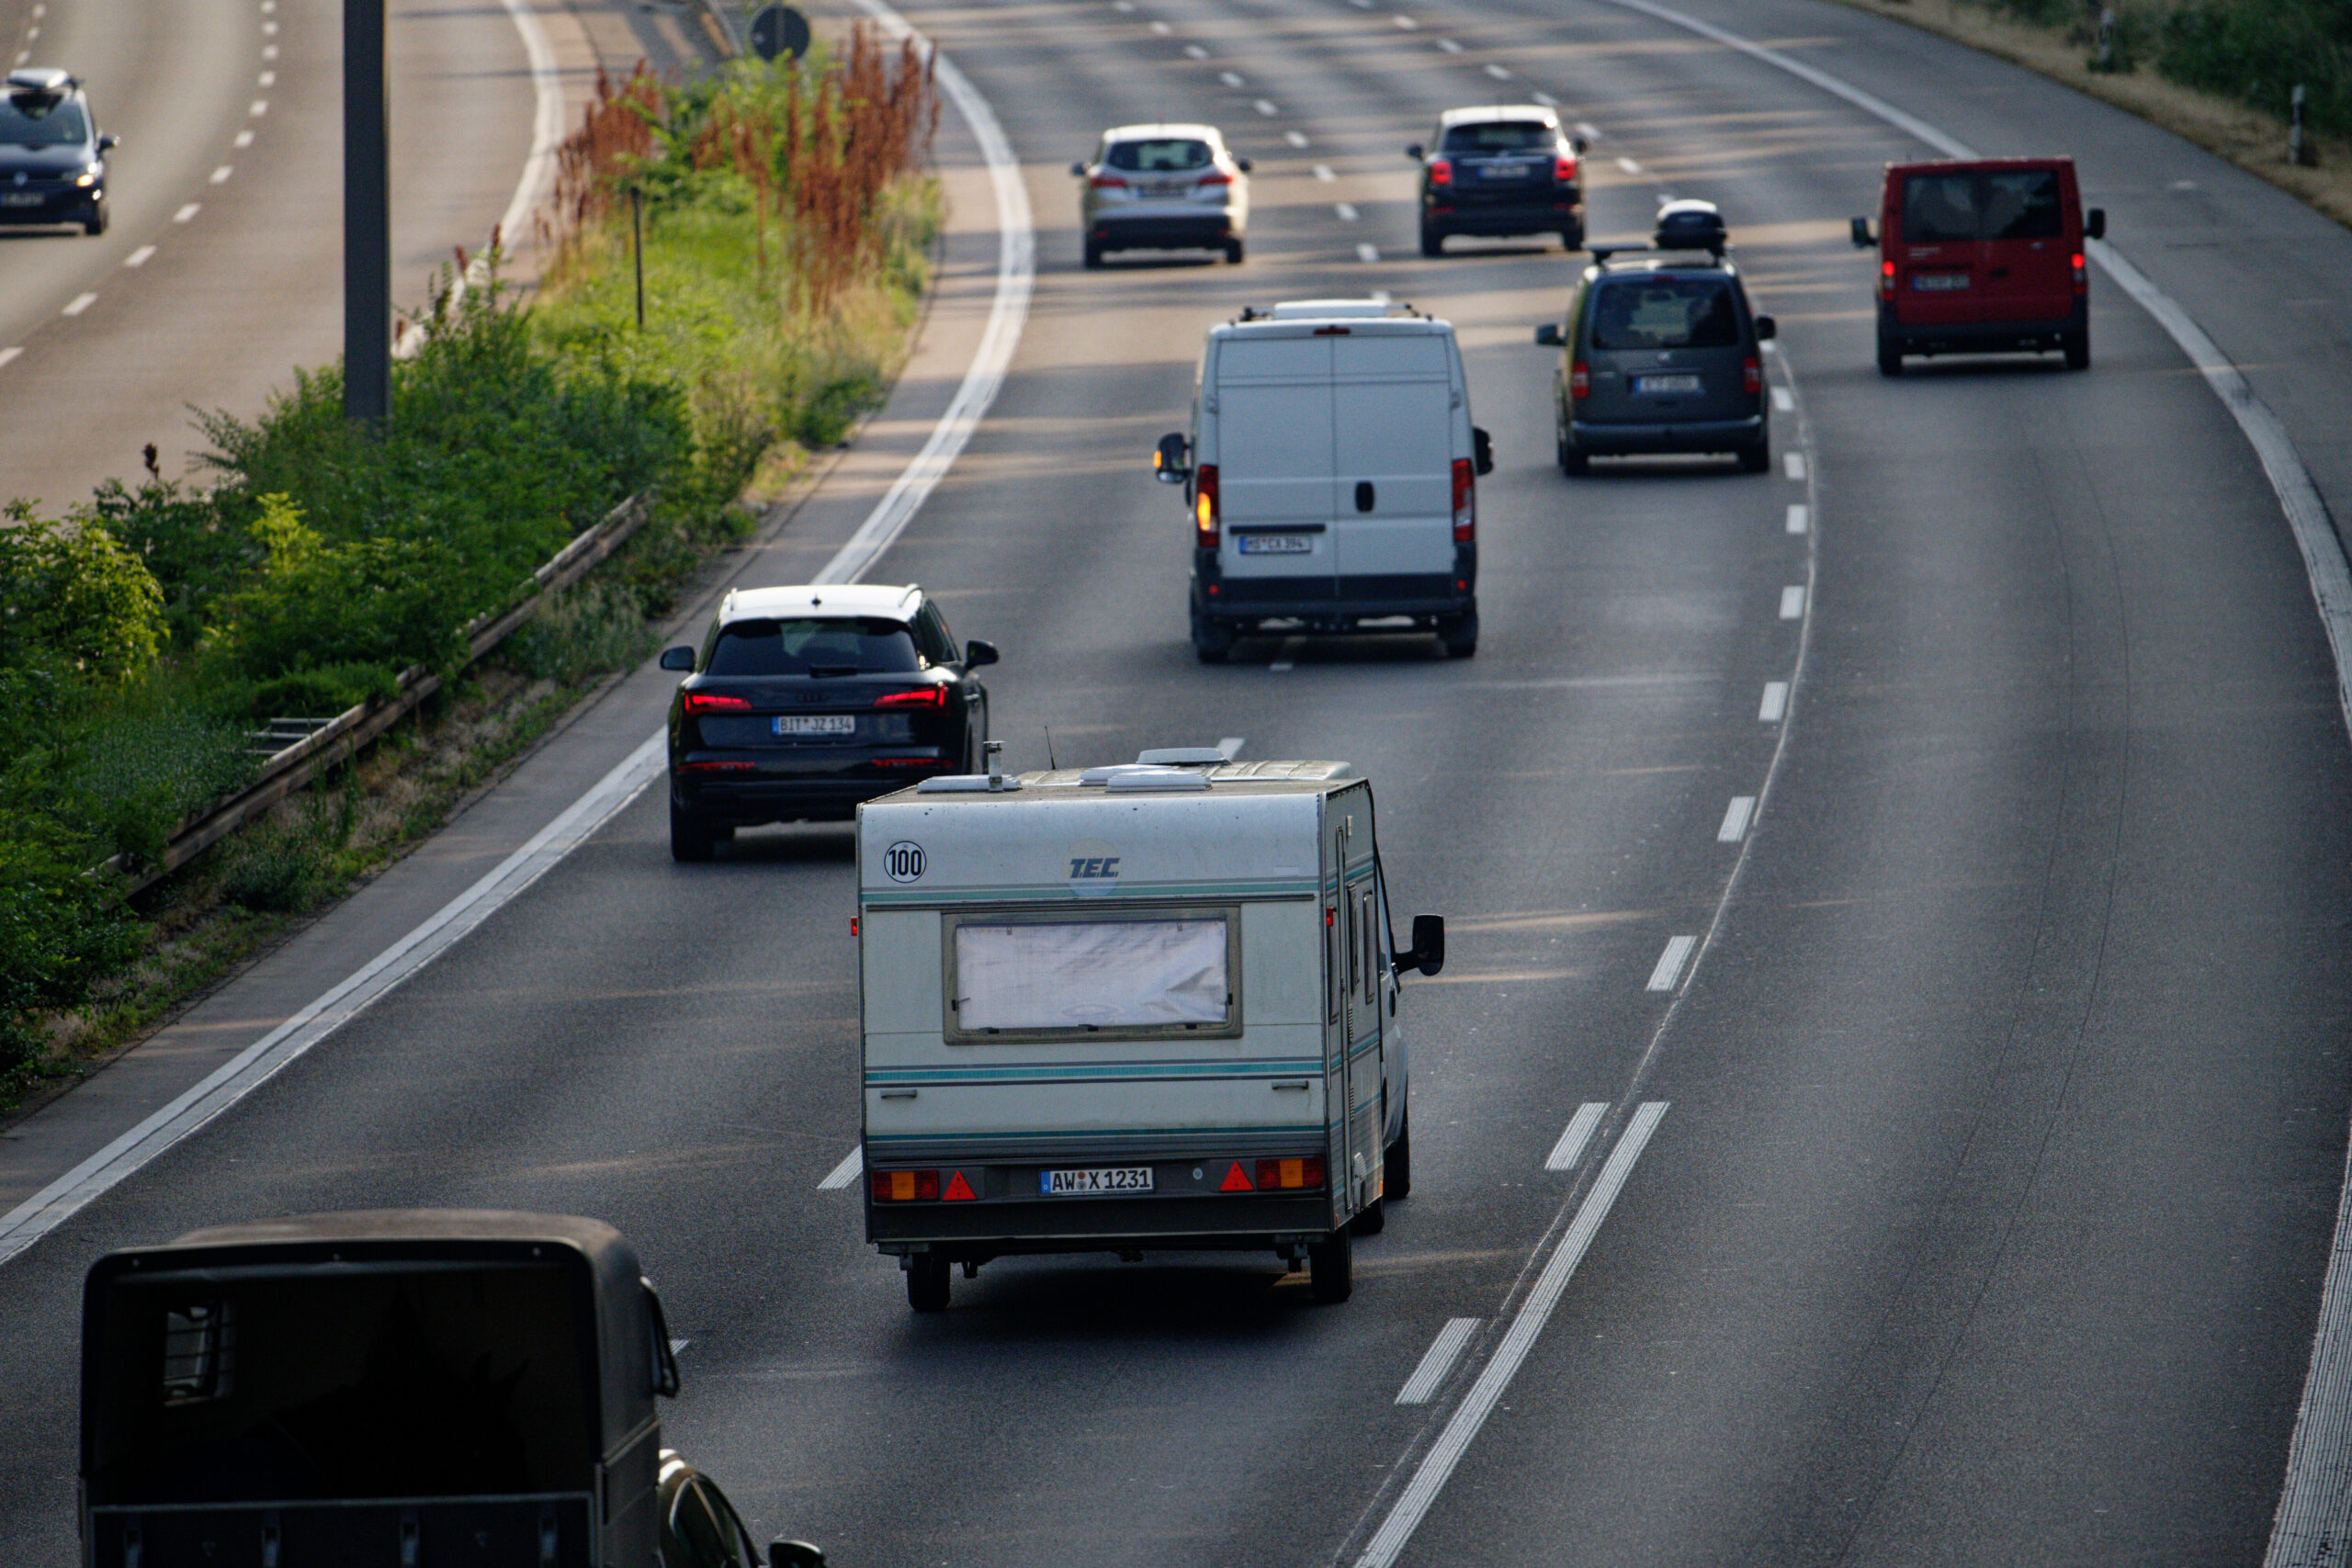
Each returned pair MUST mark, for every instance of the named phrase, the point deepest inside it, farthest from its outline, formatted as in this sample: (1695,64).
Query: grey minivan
(1660,353)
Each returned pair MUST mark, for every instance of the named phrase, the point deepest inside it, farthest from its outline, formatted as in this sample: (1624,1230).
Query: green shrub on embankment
(147,635)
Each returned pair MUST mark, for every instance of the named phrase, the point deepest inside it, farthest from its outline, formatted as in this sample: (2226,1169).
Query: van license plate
(1661,384)
(1110,1179)
(817,724)
(1276,544)
(1935,282)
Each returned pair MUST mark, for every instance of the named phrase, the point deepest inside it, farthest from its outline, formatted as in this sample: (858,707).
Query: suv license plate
(1276,544)
(1103,1178)
(1656,384)
(1933,282)
(817,724)
(1508,171)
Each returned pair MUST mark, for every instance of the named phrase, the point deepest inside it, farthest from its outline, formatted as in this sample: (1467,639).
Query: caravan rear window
(1059,977)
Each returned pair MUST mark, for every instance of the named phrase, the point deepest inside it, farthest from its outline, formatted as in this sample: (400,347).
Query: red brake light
(1217,178)
(1441,172)
(1107,182)
(2082,278)
(1564,169)
(1466,502)
(921,697)
(1205,520)
(713,702)
(1579,379)
(905,1186)
(1278,1174)
(1752,376)
(1886,279)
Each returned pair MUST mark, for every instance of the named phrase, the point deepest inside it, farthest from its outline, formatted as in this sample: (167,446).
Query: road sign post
(366,216)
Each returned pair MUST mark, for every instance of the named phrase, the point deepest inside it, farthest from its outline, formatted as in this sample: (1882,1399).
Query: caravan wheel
(927,1282)
(1331,1268)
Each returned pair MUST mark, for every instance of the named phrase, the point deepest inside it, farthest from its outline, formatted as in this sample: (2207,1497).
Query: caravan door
(1352,1000)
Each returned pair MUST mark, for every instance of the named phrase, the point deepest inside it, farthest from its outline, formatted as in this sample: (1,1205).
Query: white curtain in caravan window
(1104,974)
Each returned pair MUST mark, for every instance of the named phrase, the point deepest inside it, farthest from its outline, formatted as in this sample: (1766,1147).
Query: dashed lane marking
(1629,167)
(1448,45)
(221,175)
(1368,255)
(1407,23)
(1546,99)
(1792,602)
(1668,968)
(844,1173)
(243,139)
(1737,817)
(1267,109)
(1323,172)
(80,304)
(1437,1361)
(1783,401)
(1163,28)
(1231,78)
(1793,464)
(1775,705)
(138,257)
(1575,1135)
(267,79)
(1800,516)
(1295,138)
(1196,51)
(1587,130)
(1496,71)
(1346,210)
(192,208)
(8,354)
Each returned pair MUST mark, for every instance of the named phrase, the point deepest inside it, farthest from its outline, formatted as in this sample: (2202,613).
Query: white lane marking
(191,210)
(1448,45)
(79,303)
(547,124)
(1437,1361)
(260,108)
(32,33)
(1800,516)
(243,139)
(1282,666)
(1231,746)
(8,354)
(269,52)
(1496,71)
(221,175)
(1630,166)
(1792,602)
(1368,255)
(1792,463)
(261,1061)
(1430,1478)
(1775,705)
(1737,817)
(1231,78)
(1379,297)
(269,29)
(678,1345)
(1346,210)
(1587,130)
(1125,7)
(40,11)
(1576,1135)
(61,1198)
(1669,963)
(138,257)
(268,79)
(1295,138)
(1361,4)
(1407,23)
(1546,99)
(1195,52)
(23,55)
(267,6)
(1267,109)
(1323,172)
(844,1173)
(1163,28)
(1783,401)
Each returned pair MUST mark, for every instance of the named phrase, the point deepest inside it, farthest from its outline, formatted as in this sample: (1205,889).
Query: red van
(1982,256)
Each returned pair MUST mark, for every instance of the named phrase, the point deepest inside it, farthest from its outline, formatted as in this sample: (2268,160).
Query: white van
(1146,1006)
(1331,472)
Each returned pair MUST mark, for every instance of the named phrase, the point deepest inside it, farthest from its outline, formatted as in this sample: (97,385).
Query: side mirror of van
(2095,223)
(1861,232)
(1548,335)
(1414,151)
(979,651)
(1078,169)
(678,658)
(1767,329)
(1482,450)
(1428,954)
(1169,464)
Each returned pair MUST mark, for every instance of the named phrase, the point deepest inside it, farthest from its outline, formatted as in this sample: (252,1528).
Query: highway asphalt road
(1973,1173)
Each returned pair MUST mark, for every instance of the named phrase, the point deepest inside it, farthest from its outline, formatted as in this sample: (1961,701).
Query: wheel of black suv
(1396,1168)
(689,839)
(927,1282)
(1432,241)
(1331,1268)
(96,222)
(1093,255)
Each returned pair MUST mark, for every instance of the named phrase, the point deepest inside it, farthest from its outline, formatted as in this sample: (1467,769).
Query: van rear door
(1931,229)
(2027,256)
(1273,455)
(1392,501)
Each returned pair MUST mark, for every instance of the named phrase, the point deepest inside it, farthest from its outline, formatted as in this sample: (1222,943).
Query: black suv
(52,160)
(1500,171)
(1660,351)
(806,701)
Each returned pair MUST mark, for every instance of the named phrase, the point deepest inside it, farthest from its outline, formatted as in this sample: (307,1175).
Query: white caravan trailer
(1150,1006)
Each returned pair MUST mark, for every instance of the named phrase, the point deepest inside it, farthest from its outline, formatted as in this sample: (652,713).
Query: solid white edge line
(1737,817)
(1775,705)
(1437,1361)
(547,122)
(844,1173)
(1437,1465)
(8,354)
(1669,963)
(61,1198)
(1575,1135)
(2313,1523)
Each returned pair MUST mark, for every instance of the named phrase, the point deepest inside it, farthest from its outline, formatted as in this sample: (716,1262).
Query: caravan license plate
(1111,1178)
(1276,544)
(818,723)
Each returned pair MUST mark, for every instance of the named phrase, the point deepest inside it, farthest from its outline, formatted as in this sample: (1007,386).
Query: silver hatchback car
(1163,187)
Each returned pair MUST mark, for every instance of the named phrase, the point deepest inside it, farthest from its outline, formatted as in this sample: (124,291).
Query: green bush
(586,630)
(2257,51)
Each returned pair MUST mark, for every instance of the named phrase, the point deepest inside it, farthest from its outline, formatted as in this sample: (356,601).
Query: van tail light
(1886,280)
(2082,277)
(1107,182)
(905,1186)
(1441,171)
(1466,502)
(1205,506)
(1579,379)
(1752,376)
(1217,178)
(921,697)
(1564,170)
(1276,1174)
(713,702)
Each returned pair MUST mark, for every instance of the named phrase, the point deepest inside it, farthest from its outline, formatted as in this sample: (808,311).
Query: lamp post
(366,216)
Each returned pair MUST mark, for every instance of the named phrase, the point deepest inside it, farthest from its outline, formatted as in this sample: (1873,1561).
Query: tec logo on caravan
(1093,868)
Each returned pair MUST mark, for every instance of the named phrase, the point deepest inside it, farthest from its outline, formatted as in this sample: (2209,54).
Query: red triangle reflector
(1235,1181)
(959,1190)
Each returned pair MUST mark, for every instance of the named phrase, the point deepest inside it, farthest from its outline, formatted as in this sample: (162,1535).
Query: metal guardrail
(342,738)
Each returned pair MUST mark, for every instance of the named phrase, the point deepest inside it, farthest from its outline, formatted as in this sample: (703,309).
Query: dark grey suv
(1659,351)
(52,157)
(1504,170)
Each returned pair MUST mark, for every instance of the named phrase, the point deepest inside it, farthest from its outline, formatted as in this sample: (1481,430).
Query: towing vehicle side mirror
(109,141)
(1548,335)
(1481,448)
(979,651)
(1078,169)
(1414,151)
(1767,329)
(2095,223)
(1860,229)
(1242,164)
(1429,946)
(678,658)
(1168,463)
(794,1554)
(1580,145)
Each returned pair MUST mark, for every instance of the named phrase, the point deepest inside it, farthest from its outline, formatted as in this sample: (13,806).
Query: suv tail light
(1752,376)
(1441,171)
(1466,502)
(713,702)
(1564,169)
(921,697)
(1579,379)
(1205,506)
(1107,182)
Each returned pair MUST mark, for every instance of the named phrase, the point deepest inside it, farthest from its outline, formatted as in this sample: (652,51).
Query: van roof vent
(1127,780)
(1327,310)
(965,784)
(1181,757)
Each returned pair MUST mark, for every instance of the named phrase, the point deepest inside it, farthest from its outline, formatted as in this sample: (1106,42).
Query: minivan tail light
(1564,169)
(713,702)
(1752,376)
(921,697)
(1579,379)
(1217,178)
(1441,172)
(1205,520)
(1466,502)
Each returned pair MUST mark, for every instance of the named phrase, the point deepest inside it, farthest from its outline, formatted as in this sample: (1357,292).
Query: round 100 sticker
(902,862)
